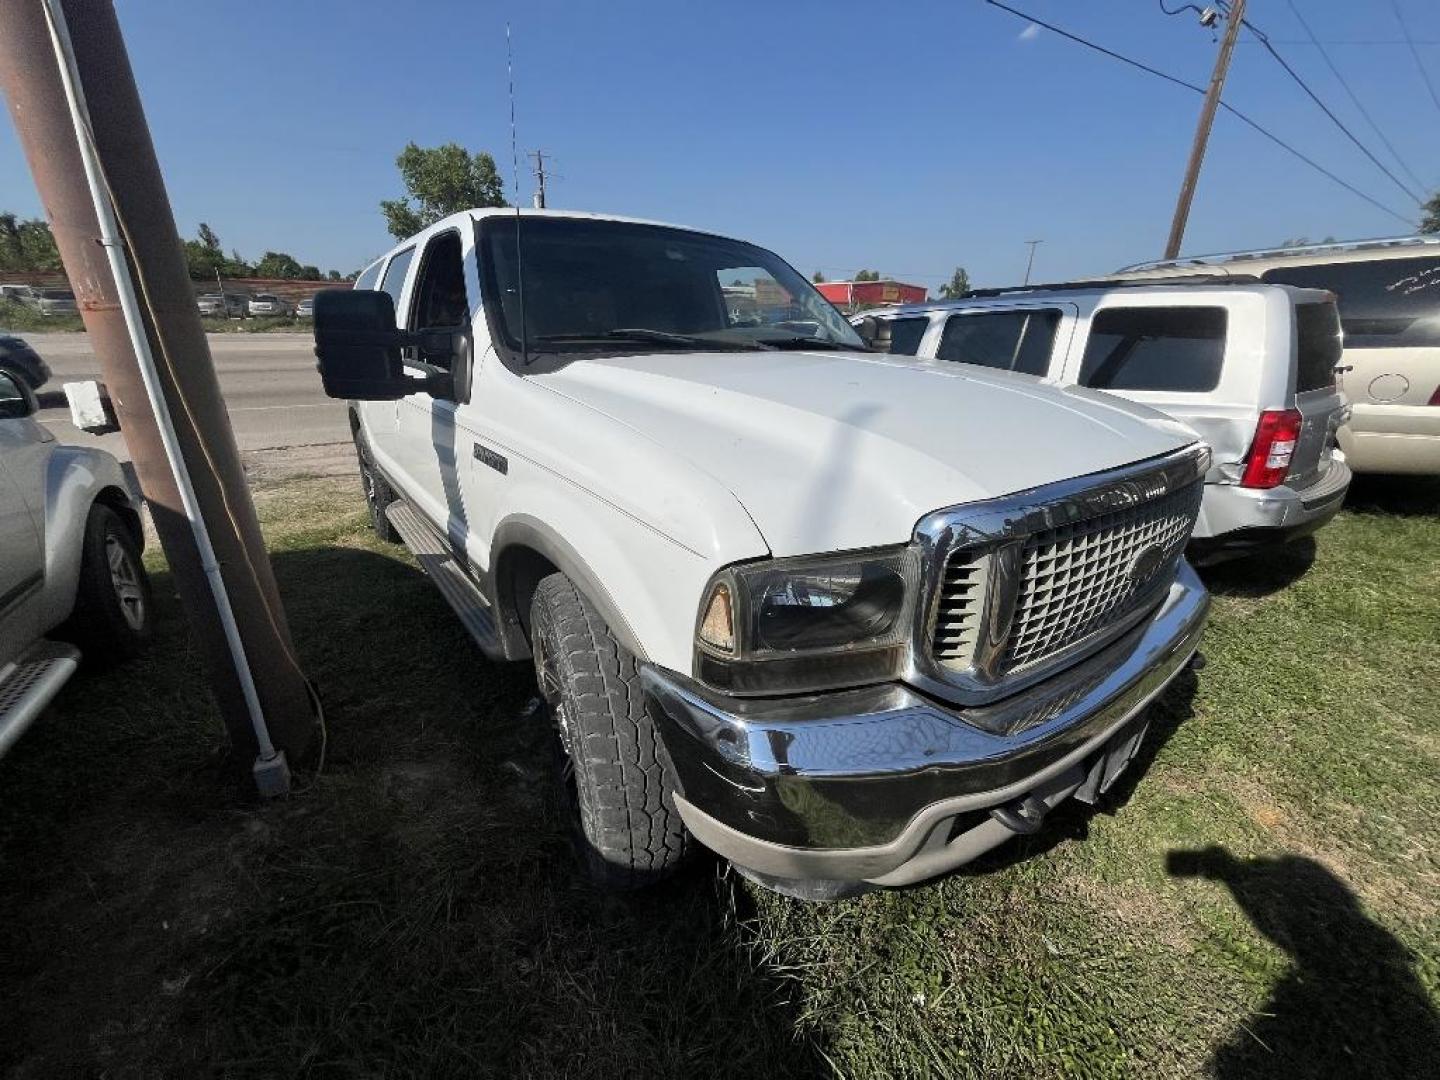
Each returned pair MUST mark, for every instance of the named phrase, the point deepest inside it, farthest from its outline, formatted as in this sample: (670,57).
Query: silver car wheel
(125,579)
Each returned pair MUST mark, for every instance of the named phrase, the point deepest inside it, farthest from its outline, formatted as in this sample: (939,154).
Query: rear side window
(369,277)
(905,335)
(394,282)
(1385,303)
(1317,332)
(1155,348)
(1008,340)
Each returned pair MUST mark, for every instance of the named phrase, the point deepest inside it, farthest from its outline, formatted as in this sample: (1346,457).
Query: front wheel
(615,774)
(378,494)
(112,616)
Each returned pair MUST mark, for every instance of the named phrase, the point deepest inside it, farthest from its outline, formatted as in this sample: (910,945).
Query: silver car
(224,306)
(70,568)
(53,301)
(268,304)
(1250,367)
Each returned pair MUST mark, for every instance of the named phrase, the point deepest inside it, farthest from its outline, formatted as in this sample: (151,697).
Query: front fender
(75,476)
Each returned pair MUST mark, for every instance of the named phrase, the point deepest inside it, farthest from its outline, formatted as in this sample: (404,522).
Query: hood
(828,451)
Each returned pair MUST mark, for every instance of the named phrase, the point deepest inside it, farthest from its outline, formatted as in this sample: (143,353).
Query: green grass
(415,911)
(15,316)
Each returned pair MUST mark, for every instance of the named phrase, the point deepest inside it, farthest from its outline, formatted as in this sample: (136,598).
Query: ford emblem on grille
(1146,563)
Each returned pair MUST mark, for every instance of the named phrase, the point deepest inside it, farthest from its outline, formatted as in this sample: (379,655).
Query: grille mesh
(957,622)
(1075,579)
(1078,577)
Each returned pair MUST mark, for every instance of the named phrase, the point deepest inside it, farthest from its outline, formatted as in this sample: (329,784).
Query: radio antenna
(515,183)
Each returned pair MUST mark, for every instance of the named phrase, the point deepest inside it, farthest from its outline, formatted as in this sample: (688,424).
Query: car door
(435,448)
(22,558)
(382,418)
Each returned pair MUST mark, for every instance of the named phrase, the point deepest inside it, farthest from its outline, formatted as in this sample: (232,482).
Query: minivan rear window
(1008,340)
(1155,348)
(1317,331)
(1384,303)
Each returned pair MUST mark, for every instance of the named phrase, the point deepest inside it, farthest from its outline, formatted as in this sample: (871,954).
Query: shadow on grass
(1403,496)
(1262,572)
(1351,1005)
(416,910)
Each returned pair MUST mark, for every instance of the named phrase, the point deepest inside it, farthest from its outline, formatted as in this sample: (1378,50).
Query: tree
(818,278)
(26,244)
(440,180)
(279,264)
(957,286)
(866,275)
(1431,221)
(1303,242)
(334,275)
(205,259)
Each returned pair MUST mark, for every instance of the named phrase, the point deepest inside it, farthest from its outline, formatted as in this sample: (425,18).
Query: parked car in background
(52,301)
(1250,367)
(13,291)
(22,362)
(70,543)
(269,304)
(230,305)
(1389,296)
(306,308)
(840,617)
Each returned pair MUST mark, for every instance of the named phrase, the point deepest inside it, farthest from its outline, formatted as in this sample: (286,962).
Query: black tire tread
(623,776)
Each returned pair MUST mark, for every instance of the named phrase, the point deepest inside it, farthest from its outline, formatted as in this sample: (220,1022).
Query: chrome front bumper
(872,784)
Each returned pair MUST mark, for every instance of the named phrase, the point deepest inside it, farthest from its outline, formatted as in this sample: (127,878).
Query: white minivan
(1250,367)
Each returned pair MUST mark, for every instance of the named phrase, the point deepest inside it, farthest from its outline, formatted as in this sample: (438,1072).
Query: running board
(433,554)
(30,683)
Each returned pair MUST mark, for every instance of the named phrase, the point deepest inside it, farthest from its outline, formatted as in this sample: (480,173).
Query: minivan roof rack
(1303,249)
(1219,278)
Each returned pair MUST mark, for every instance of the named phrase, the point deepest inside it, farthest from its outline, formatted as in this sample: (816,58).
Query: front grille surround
(1019,586)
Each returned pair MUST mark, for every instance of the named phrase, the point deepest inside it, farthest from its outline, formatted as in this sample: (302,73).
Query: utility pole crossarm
(1234,20)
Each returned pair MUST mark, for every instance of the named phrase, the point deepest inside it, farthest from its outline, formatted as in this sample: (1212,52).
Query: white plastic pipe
(130,308)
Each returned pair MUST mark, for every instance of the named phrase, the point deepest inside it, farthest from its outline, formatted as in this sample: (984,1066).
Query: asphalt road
(269,382)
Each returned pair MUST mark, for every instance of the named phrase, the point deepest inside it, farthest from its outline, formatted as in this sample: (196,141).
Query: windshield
(56,294)
(611,286)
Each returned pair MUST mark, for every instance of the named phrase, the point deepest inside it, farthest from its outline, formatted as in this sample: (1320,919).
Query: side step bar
(28,684)
(432,552)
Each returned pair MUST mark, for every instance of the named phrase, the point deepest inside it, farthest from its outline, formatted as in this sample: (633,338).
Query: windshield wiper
(812,343)
(660,337)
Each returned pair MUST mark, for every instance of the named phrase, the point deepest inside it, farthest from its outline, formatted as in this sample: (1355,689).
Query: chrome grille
(957,621)
(1078,577)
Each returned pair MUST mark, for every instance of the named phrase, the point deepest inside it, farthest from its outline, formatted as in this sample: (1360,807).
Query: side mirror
(870,330)
(357,347)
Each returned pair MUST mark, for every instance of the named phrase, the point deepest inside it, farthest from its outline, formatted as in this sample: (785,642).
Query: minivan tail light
(1273,449)
(1435,397)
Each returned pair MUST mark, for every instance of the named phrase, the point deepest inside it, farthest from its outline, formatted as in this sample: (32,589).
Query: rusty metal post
(31,78)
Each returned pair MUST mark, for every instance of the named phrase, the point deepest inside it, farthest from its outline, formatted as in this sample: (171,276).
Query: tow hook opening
(1024,815)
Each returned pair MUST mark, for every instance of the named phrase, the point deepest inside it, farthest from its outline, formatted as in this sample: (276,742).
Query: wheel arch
(527,550)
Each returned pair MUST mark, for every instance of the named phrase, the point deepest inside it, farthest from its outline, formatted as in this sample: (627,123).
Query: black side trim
(12,598)
(486,456)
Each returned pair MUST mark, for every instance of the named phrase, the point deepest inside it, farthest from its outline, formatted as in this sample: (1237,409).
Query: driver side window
(439,297)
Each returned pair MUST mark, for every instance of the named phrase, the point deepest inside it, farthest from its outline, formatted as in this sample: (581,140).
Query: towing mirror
(357,346)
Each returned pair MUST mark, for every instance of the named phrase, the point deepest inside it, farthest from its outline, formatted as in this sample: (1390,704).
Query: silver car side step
(30,683)
(433,554)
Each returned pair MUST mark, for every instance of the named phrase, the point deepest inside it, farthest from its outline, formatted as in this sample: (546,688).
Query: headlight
(791,625)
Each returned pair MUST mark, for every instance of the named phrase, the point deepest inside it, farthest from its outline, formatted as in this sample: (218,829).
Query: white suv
(1250,367)
(842,617)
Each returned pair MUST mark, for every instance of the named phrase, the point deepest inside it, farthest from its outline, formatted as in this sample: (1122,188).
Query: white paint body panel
(658,470)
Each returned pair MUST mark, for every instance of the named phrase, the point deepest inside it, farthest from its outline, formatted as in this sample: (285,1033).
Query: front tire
(615,774)
(378,494)
(112,617)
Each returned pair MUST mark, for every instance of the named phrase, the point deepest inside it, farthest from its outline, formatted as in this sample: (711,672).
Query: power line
(1348,90)
(1405,32)
(1265,41)
(1410,222)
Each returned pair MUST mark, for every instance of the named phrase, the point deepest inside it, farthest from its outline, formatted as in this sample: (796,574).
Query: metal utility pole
(1234,20)
(73,99)
(1030,262)
(539,156)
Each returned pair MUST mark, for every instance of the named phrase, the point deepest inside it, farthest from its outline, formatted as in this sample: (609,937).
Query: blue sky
(908,138)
